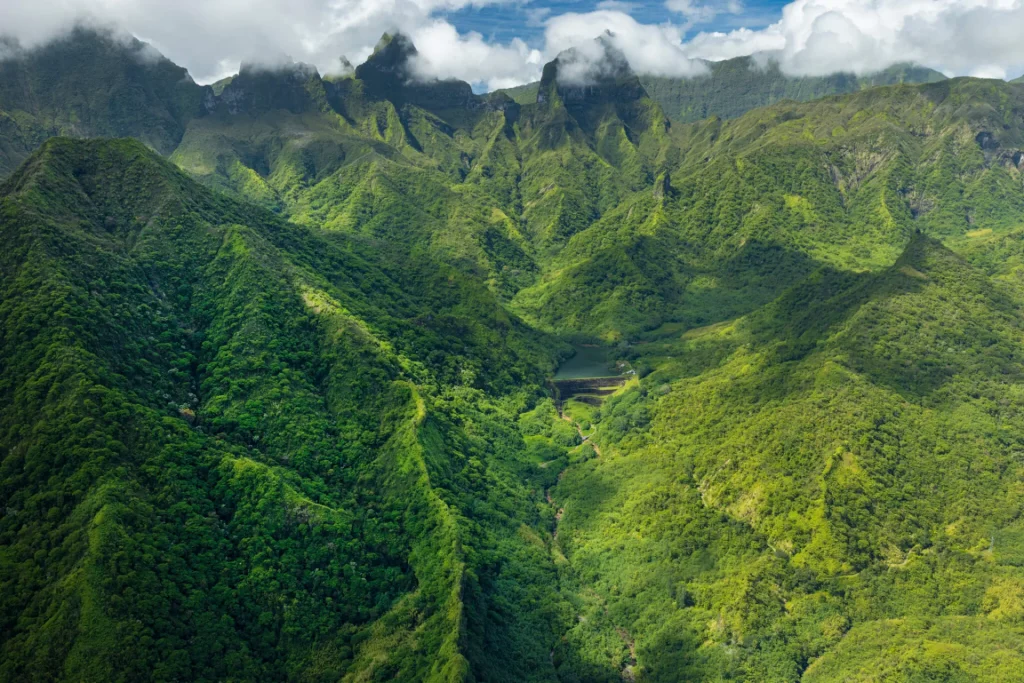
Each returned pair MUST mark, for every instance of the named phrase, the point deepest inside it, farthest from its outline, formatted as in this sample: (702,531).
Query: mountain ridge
(394,80)
(215,281)
(145,95)
(735,86)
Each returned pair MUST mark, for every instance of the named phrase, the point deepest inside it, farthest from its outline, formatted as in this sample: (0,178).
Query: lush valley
(276,397)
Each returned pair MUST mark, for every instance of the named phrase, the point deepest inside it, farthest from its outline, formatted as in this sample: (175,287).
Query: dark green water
(588,362)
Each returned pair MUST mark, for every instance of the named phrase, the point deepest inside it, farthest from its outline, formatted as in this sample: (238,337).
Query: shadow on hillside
(749,279)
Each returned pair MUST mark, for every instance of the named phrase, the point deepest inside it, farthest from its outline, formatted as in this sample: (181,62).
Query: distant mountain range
(45,93)
(735,86)
(278,395)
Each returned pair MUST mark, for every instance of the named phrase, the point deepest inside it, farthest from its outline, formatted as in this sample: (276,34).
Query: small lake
(589,362)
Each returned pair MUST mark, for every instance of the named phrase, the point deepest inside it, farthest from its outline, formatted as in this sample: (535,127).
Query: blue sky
(502,23)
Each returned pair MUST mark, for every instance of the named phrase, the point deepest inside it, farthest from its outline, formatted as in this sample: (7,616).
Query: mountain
(746,208)
(89,84)
(523,94)
(839,500)
(235,447)
(278,400)
(1018,80)
(497,188)
(735,86)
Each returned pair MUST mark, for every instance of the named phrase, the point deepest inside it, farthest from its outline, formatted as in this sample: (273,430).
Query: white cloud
(815,37)
(701,11)
(655,49)
(444,53)
(738,43)
(211,37)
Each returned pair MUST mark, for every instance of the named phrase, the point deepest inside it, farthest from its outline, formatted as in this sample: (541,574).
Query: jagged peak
(391,74)
(284,67)
(391,55)
(344,67)
(593,63)
(265,86)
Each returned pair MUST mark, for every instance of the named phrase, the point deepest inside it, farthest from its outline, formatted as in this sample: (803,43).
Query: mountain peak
(112,183)
(389,74)
(596,73)
(598,62)
(119,87)
(391,56)
(262,87)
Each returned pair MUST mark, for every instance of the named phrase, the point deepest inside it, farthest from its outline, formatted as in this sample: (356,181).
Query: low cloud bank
(812,37)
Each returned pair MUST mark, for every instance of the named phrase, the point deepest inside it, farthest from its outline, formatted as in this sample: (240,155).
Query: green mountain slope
(495,188)
(523,94)
(748,207)
(90,84)
(234,447)
(847,463)
(735,86)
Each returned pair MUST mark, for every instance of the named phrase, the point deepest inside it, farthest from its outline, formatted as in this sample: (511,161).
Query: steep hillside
(234,447)
(277,398)
(523,94)
(492,187)
(848,463)
(735,86)
(580,208)
(91,84)
(749,207)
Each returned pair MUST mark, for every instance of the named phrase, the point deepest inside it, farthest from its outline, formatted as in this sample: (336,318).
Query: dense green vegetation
(232,447)
(849,460)
(88,84)
(275,399)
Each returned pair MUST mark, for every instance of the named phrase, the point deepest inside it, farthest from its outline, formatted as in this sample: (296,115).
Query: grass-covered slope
(523,94)
(828,487)
(233,447)
(751,206)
